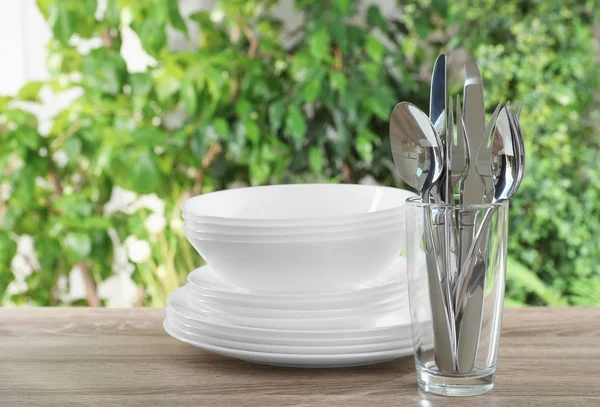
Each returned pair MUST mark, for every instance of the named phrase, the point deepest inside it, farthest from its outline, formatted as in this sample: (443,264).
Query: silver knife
(474,118)
(471,187)
(437,110)
(444,335)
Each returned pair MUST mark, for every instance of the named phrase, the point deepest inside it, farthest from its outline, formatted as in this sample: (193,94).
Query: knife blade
(437,111)
(471,187)
(474,117)
(437,94)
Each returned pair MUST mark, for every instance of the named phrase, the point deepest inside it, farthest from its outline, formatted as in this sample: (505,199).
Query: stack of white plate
(297,275)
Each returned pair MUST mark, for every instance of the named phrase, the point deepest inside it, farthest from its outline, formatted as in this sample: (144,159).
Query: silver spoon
(518,147)
(417,152)
(507,167)
(416,148)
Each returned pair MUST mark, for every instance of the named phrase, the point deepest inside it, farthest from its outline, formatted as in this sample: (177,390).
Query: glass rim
(416,201)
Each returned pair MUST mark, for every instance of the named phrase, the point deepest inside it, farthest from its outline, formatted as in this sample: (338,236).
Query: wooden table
(108,357)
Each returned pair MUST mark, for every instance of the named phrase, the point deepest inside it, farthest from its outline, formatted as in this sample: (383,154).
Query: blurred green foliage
(257,104)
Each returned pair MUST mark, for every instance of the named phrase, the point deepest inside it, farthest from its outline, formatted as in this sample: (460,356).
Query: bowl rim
(284,240)
(185,206)
(379,224)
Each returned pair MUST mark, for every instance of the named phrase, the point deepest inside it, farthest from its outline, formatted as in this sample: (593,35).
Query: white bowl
(304,266)
(296,205)
(396,218)
(191,232)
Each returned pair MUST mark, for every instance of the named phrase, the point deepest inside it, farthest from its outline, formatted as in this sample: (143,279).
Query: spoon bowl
(416,147)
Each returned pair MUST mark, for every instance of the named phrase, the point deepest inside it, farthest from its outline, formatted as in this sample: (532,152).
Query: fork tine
(450,132)
(491,124)
(461,134)
(519,110)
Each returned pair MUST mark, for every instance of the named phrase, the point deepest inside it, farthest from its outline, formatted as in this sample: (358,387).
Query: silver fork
(459,164)
(484,156)
(460,148)
(518,108)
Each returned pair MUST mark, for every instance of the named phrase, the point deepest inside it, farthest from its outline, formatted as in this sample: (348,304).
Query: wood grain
(108,357)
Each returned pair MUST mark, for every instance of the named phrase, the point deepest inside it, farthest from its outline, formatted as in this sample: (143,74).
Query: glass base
(468,385)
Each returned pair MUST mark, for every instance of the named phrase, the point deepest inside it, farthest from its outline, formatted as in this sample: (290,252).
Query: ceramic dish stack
(297,275)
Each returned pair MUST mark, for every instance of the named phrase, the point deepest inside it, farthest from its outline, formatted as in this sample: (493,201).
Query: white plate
(262,336)
(204,337)
(389,305)
(388,326)
(294,360)
(206,280)
(353,320)
(397,294)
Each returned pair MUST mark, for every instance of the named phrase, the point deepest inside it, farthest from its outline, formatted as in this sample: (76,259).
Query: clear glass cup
(456,278)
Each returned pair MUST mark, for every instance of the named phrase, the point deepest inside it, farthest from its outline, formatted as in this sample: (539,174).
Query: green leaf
(422,25)
(527,279)
(149,136)
(295,125)
(8,248)
(277,112)
(337,80)
(30,91)
(29,138)
(440,6)
(72,206)
(88,7)
(113,13)
(137,171)
(189,96)
(78,245)
(104,71)
(371,70)
(260,172)
(375,19)
(374,48)
(339,33)
(202,18)
(62,21)
(145,175)
(243,108)
(198,144)
(152,35)
(315,159)
(221,127)
(376,106)
(72,147)
(364,147)
(141,84)
(343,6)
(312,90)
(319,43)
(586,293)
(167,81)
(175,17)
(252,131)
